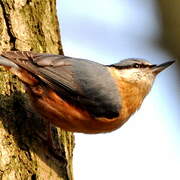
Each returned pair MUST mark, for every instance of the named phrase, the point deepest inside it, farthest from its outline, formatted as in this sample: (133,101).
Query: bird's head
(139,72)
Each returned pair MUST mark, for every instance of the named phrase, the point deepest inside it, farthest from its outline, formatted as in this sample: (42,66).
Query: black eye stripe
(141,65)
(135,65)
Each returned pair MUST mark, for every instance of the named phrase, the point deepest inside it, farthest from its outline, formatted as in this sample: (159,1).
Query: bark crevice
(8,24)
(24,152)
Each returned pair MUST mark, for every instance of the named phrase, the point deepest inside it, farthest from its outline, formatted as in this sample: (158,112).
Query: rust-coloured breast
(130,94)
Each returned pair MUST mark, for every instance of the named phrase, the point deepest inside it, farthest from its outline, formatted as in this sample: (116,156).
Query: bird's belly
(71,118)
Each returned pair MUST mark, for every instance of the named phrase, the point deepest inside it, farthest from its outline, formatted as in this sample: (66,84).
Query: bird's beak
(156,69)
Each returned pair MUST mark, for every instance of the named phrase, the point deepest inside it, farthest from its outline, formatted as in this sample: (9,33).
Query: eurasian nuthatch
(79,95)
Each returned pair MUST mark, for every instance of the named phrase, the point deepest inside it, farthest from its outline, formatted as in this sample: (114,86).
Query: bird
(81,95)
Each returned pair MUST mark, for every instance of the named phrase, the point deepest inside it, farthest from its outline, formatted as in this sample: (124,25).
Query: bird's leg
(52,138)
(51,142)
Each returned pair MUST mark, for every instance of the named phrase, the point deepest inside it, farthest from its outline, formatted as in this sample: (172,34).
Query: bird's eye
(136,65)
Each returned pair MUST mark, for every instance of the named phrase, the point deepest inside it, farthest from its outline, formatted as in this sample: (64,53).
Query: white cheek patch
(137,76)
(131,74)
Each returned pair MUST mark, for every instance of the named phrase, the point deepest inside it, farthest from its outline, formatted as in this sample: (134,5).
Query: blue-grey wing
(83,83)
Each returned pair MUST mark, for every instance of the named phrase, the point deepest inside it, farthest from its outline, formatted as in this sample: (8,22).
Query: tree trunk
(30,25)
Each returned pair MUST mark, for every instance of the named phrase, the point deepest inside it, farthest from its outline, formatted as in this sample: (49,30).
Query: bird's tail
(7,63)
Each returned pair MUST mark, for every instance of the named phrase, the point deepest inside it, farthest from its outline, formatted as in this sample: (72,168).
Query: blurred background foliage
(169,12)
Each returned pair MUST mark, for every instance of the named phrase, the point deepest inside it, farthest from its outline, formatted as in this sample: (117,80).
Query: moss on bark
(28,25)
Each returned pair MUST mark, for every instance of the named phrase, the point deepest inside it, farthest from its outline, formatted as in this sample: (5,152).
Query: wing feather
(82,82)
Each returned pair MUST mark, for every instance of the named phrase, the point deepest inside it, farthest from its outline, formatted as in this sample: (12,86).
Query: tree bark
(30,25)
